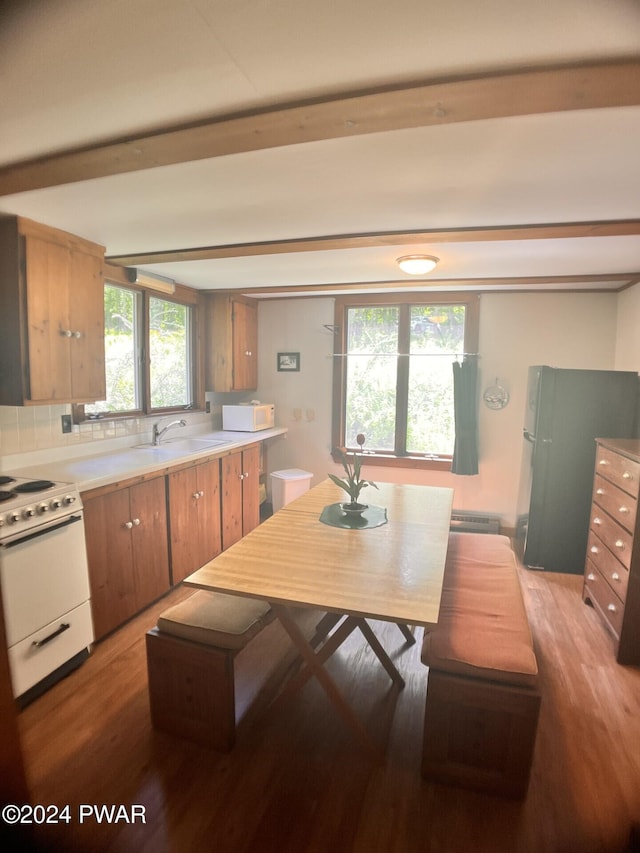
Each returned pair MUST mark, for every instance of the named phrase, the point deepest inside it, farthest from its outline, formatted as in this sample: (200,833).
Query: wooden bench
(482,702)
(210,660)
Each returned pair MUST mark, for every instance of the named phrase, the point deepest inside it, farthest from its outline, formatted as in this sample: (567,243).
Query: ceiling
(296,147)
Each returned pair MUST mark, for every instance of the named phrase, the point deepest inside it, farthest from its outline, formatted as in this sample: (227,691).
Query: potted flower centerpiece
(353,483)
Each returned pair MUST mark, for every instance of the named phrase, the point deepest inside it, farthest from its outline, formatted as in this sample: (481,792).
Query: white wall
(516,330)
(628,330)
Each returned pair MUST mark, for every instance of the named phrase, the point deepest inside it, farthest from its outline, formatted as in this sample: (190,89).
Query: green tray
(373,516)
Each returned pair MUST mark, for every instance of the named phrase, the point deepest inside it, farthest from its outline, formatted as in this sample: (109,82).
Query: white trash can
(287,485)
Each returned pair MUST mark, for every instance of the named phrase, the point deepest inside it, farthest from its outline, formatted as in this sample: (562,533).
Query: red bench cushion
(483,630)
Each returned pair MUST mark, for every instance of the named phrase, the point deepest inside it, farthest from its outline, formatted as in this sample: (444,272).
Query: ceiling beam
(590,85)
(498,233)
(513,282)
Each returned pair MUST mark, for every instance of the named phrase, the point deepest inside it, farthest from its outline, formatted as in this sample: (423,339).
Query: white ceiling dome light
(417,264)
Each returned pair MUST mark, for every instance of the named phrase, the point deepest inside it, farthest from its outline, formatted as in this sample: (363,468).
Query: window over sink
(150,355)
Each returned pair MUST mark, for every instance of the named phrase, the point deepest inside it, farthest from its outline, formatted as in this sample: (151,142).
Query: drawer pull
(612,608)
(603,462)
(624,510)
(591,576)
(594,549)
(619,544)
(599,491)
(597,520)
(627,476)
(64,626)
(615,576)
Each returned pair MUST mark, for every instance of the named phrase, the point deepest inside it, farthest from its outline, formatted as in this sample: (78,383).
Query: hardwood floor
(297,782)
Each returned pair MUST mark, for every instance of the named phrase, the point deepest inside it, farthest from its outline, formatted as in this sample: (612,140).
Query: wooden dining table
(392,572)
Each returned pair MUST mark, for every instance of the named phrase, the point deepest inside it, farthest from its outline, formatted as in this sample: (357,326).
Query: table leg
(407,633)
(315,667)
(380,653)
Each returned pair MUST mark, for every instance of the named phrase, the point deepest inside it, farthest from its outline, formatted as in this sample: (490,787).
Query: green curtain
(465,451)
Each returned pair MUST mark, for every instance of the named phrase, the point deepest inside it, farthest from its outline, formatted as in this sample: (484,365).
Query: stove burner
(6,496)
(4,480)
(34,486)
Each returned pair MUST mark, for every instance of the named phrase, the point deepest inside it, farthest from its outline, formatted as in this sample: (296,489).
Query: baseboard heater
(474,522)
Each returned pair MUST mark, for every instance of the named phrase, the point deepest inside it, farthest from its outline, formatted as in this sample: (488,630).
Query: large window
(149,353)
(393,374)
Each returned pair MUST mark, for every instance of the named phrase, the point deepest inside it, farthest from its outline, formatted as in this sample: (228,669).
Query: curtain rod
(407,354)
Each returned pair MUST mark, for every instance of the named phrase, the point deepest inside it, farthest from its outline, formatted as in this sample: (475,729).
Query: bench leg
(479,734)
(191,690)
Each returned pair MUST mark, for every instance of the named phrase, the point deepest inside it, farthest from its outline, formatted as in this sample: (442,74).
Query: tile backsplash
(31,429)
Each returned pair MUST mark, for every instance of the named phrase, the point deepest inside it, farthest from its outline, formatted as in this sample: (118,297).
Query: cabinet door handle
(241,476)
(128,525)
(195,495)
(136,522)
(66,333)
(246,474)
(77,334)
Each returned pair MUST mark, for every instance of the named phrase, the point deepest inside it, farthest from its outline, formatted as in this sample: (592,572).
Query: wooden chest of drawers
(612,568)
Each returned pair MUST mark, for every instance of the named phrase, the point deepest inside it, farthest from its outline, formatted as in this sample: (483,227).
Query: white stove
(45,581)
(26,503)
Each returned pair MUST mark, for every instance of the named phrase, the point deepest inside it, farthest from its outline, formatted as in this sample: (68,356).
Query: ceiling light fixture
(417,264)
(150,280)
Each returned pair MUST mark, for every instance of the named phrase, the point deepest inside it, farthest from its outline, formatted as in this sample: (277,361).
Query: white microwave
(248,417)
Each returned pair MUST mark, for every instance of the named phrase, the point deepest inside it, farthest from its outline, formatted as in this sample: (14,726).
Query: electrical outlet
(66,423)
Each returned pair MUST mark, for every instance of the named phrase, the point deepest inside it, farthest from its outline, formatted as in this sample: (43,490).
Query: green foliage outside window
(168,347)
(378,338)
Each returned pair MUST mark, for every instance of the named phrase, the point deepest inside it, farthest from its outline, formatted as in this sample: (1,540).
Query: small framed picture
(289,361)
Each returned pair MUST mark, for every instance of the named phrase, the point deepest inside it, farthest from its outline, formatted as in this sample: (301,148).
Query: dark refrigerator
(566,410)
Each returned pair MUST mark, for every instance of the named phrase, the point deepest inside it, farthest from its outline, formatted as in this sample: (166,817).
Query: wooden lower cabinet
(194,517)
(127,550)
(240,475)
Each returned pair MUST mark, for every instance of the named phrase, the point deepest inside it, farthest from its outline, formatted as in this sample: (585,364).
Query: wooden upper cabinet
(232,343)
(52,303)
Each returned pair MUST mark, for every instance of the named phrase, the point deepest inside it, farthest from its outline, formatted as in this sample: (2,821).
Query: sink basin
(181,446)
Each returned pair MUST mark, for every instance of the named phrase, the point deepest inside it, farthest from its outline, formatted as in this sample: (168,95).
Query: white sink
(181,446)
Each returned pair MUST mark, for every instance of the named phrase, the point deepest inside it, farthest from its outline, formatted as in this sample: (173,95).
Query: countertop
(103,469)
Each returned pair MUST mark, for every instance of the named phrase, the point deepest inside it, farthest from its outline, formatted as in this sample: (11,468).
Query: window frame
(185,296)
(404,301)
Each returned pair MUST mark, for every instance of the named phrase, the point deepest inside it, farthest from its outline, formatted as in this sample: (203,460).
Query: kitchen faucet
(157,434)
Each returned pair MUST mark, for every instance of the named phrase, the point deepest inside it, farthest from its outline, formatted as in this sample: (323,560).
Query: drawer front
(612,570)
(617,503)
(618,540)
(31,663)
(599,591)
(623,472)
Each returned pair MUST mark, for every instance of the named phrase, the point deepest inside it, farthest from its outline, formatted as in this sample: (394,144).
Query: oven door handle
(72,519)
(64,626)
